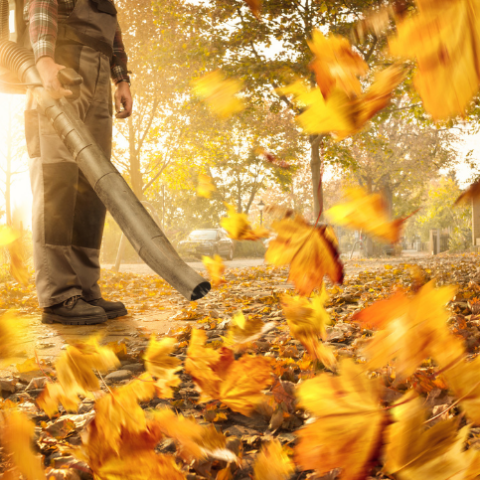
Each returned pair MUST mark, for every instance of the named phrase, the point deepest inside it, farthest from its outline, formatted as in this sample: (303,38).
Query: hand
(48,70)
(123,98)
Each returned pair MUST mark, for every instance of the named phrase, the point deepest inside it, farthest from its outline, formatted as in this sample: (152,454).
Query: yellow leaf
(444,40)
(413,329)
(309,252)
(219,93)
(215,269)
(7,235)
(76,367)
(307,320)
(243,331)
(416,452)
(11,334)
(336,64)
(239,228)
(158,357)
(272,463)
(17,435)
(349,420)
(205,186)
(367,212)
(53,395)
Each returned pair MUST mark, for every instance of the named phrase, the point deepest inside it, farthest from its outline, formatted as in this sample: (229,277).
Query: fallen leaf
(309,252)
(239,228)
(367,212)
(349,421)
(215,269)
(272,463)
(205,186)
(219,93)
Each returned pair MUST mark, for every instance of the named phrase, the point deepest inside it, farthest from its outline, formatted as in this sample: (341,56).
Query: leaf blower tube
(147,238)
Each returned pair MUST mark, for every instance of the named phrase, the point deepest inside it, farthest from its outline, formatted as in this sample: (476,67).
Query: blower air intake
(144,234)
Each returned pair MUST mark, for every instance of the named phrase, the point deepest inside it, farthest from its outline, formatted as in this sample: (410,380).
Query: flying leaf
(444,40)
(272,463)
(307,319)
(367,212)
(236,383)
(414,452)
(53,395)
(18,268)
(349,420)
(413,329)
(309,252)
(255,6)
(219,94)
(11,334)
(242,331)
(271,158)
(77,365)
(239,228)
(336,64)
(7,235)
(205,186)
(471,193)
(215,269)
(17,434)
(158,359)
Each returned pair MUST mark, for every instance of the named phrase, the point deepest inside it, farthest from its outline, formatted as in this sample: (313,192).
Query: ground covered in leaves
(209,426)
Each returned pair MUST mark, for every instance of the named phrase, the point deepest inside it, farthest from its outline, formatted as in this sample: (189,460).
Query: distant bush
(248,248)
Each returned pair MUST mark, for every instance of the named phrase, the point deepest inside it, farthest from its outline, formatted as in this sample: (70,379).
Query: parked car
(208,241)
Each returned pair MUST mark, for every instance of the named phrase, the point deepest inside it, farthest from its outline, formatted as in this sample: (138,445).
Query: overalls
(68,217)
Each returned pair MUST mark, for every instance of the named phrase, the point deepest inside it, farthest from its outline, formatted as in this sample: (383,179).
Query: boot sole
(50,318)
(116,313)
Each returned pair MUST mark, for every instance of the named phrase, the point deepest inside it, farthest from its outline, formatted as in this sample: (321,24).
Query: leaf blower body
(72,177)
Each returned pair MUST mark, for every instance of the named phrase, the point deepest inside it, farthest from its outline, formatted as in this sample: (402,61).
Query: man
(68,217)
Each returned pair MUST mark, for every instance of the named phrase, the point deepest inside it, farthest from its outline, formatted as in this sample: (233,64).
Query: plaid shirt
(43,16)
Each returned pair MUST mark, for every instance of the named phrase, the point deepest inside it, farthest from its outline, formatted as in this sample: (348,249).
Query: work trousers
(68,216)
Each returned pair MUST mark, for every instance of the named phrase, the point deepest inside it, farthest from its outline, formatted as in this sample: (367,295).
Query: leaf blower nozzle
(144,234)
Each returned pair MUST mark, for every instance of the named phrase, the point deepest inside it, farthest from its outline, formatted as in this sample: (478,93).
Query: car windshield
(203,235)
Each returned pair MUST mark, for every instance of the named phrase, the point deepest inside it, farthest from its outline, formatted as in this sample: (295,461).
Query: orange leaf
(272,463)
(367,212)
(158,359)
(255,6)
(309,252)
(53,395)
(243,330)
(215,269)
(349,420)
(239,228)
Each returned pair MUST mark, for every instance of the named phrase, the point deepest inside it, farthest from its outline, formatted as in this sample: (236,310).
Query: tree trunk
(316,161)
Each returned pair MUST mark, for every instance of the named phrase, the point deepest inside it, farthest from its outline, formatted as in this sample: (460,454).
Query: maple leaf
(309,252)
(349,421)
(307,319)
(11,334)
(255,6)
(272,463)
(336,64)
(53,395)
(158,359)
(17,434)
(18,269)
(471,193)
(413,329)
(367,212)
(414,452)
(219,93)
(75,367)
(239,228)
(242,331)
(443,38)
(215,269)
(195,441)
(205,186)
(236,383)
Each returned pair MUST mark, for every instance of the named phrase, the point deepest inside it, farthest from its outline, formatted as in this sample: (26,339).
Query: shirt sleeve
(119,61)
(43,25)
